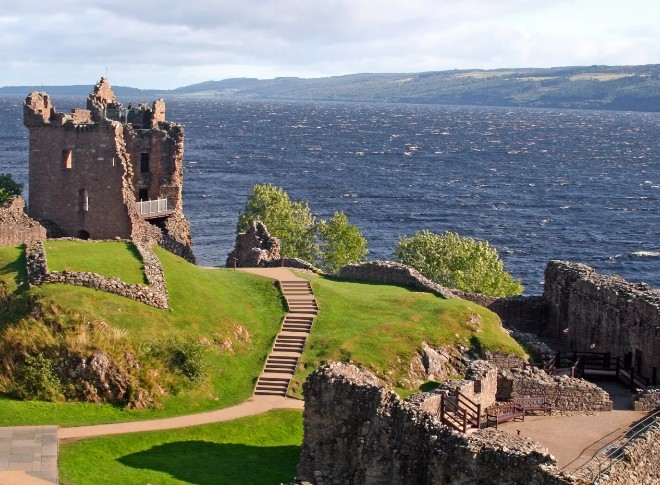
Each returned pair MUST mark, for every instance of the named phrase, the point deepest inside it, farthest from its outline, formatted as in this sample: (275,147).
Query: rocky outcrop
(16,227)
(565,393)
(155,294)
(97,379)
(356,432)
(254,248)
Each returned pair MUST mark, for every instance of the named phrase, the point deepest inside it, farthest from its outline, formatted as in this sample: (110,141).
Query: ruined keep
(107,171)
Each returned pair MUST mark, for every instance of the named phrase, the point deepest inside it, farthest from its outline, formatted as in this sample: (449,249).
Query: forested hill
(594,87)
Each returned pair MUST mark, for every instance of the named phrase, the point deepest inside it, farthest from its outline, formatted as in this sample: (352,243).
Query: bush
(36,380)
(457,262)
(185,356)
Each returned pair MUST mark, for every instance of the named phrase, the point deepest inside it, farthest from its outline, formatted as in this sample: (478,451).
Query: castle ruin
(107,171)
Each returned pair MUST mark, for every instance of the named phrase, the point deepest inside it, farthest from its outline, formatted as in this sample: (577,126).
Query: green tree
(341,243)
(8,188)
(291,222)
(327,244)
(457,262)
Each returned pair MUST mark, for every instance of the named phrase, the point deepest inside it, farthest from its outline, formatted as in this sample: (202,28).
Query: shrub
(36,379)
(457,262)
(8,188)
(185,356)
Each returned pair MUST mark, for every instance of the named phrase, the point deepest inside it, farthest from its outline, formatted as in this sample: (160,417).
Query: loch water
(538,184)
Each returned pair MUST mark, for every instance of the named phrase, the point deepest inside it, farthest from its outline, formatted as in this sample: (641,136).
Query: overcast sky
(166,44)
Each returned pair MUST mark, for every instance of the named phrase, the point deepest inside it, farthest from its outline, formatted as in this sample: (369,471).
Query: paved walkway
(251,407)
(574,440)
(28,455)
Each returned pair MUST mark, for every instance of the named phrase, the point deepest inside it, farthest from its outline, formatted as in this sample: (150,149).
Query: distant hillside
(634,88)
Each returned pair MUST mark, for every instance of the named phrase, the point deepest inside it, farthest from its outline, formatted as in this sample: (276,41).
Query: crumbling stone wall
(356,432)
(15,225)
(565,393)
(588,311)
(254,247)
(391,273)
(479,385)
(648,400)
(155,294)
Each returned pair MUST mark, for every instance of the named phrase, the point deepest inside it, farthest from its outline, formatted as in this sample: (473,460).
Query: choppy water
(538,184)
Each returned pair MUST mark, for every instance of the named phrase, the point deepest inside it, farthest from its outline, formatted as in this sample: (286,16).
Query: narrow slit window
(144,162)
(84,200)
(67,158)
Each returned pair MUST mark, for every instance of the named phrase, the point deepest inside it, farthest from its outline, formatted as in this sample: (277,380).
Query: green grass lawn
(120,259)
(255,450)
(205,303)
(383,326)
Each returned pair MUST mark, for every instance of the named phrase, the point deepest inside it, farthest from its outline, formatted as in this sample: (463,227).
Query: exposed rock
(97,379)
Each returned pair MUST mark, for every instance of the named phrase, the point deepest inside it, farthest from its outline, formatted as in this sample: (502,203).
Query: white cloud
(169,43)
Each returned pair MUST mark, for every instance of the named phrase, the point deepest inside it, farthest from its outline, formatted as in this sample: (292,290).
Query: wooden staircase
(460,412)
(290,341)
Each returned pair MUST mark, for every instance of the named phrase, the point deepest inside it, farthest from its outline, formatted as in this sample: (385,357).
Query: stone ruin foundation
(357,432)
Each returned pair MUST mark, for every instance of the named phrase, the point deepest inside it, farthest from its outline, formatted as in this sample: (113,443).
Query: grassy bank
(257,450)
(207,304)
(382,327)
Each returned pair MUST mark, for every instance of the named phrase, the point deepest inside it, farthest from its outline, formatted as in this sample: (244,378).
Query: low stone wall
(565,393)
(649,400)
(388,272)
(505,361)
(356,432)
(479,385)
(155,294)
(15,225)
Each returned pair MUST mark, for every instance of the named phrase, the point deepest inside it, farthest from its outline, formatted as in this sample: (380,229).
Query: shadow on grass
(136,254)
(207,463)
(18,266)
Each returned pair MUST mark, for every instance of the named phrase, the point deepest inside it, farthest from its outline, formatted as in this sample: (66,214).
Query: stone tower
(107,171)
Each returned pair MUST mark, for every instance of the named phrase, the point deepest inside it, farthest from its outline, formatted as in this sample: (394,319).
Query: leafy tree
(457,262)
(327,244)
(8,188)
(341,243)
(291,222)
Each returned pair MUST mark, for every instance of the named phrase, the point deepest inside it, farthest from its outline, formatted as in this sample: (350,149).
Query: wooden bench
(500,413)
(533,404)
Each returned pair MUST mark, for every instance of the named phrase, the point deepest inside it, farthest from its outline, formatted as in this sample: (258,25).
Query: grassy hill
(378,326)
(382,327)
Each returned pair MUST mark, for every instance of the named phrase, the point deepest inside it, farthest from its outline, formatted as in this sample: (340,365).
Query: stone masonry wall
(356,432)
(648,400)
(16,227)
(588,311)
(155,294)
(565,393)
(479,385)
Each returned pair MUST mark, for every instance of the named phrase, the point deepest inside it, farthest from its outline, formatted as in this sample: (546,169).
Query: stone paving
(29,449)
